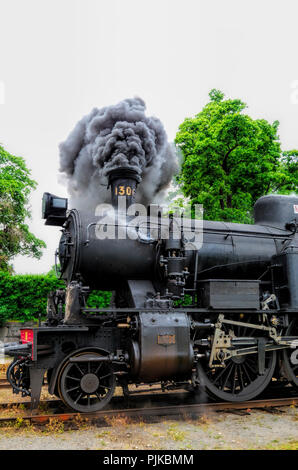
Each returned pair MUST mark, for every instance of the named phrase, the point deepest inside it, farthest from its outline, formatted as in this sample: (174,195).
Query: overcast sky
(59,59)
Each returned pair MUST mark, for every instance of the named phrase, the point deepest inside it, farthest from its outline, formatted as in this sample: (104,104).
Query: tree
(15,188)
(230,160)
(52,271)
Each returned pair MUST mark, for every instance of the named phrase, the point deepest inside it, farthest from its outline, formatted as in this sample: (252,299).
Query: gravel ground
(258,430)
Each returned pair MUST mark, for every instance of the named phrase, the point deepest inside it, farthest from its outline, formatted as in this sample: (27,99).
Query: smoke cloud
(113,137)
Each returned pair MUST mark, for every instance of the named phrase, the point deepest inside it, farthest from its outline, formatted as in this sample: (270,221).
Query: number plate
(166,339)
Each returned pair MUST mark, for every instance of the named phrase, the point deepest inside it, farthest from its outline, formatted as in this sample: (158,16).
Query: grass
(186,447)
(288,445)
(118,420)
(103,434)
(54,426)
(19,423)
(174,433)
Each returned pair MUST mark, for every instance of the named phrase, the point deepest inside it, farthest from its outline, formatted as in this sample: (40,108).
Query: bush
(23,297)
(99,299)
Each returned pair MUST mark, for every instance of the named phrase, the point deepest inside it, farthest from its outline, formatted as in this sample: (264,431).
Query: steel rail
(173,410)
(4,384)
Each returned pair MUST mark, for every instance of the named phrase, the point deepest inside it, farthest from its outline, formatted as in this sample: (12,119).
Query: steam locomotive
(221,315)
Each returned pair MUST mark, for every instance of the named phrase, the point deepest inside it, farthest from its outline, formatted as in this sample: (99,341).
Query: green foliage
(15,188)
(96,299)
(99,299)
(52,271)
(230,160)
(176,200)
(24,296)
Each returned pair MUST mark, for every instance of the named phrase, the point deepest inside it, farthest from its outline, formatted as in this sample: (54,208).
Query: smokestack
(123,182)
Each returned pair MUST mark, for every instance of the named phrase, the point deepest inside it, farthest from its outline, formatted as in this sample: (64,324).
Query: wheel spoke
(221,373)
(104,387)
(246,373)
(78,398)
(99,366)
(73,378)
(251,367)
(245,328)
(72,389)
(104,376)
(80,370)
(240,378)
(234,380)
(251,331)
(228,375)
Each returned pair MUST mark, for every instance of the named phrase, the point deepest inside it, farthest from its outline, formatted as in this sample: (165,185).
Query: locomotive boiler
(209,305)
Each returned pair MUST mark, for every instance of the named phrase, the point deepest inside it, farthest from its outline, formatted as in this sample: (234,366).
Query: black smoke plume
(114,137)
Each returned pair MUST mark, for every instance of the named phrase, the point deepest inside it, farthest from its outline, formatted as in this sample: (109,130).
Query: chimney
(123,182)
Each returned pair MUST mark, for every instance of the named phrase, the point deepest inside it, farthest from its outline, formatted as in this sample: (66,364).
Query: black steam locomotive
(222,316)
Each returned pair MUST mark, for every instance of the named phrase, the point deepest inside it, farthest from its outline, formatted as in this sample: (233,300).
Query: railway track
(151,412)
(4,384)
(145,406)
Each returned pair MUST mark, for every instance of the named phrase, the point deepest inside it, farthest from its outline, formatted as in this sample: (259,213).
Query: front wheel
(86,386)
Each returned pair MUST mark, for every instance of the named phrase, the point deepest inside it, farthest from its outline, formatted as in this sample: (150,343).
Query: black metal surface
(286,276)
(276,211)
(36,381)
(86,386)
(102,263)
(232,294)
(123,184)
(226,253)
(18,376)
(163,348)
(15,349)
(54,209)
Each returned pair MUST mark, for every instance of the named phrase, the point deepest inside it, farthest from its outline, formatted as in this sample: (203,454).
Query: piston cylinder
(163,349)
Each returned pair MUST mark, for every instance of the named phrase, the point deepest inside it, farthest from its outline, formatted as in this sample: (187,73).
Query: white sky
(59,59)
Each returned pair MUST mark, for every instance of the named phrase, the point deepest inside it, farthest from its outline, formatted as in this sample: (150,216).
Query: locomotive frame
(239,330)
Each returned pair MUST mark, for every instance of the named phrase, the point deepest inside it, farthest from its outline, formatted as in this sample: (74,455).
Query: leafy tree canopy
(230,160)
(15,187)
